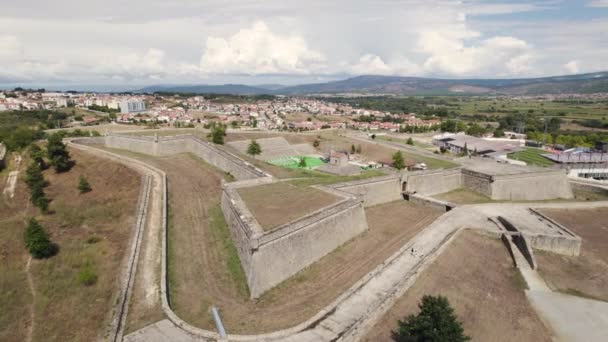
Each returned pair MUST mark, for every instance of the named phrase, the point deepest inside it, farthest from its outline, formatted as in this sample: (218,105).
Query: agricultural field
(503,106)
(46,299)
(587,274)
(532,156)
(488,300)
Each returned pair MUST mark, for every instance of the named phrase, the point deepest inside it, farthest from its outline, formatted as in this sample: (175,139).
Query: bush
(436,322)
(410,141)
(83,185)
(37,241)
(87,276)
(93,240)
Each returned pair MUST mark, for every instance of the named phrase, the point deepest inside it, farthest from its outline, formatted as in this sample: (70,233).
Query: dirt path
(30,283)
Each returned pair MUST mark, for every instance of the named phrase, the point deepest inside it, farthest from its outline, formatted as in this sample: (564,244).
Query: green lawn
(293,162)
(532,156)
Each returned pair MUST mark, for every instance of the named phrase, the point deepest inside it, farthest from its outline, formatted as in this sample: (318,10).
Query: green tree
(398,162)
(436,322)
(302,162)
(410,141)
(58,154)
(218,131)
(37,241)
(499,133)
(83,185)
(33,176)
(254,148)
(37,155)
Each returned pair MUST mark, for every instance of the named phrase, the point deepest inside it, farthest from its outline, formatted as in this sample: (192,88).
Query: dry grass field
(587,274)
(477,276)
(275,204)
(463,196)
(92,231)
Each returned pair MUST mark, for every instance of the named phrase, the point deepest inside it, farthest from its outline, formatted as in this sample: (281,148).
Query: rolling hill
(583,83)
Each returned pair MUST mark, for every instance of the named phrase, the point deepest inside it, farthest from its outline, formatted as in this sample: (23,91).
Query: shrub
(93,240)
(83,185)
(87,276)
(302,162)
(37,155)
(37,241)
(410,141)
(436,322)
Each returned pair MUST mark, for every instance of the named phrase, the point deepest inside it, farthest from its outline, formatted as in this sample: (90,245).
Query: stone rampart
(478,182)
(430,202)
(270,257)
(431,182)
(373,191)
(162,146)
(531,186)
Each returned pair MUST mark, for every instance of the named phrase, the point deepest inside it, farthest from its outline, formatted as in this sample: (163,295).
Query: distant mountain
(584,83)
(236,89)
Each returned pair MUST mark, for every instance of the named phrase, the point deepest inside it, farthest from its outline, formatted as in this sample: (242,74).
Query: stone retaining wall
(162,146)
(532,186)
(270,257)
(430,202)
(373,191)
(431,182)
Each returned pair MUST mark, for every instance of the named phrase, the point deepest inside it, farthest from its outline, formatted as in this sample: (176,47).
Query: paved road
(572,318)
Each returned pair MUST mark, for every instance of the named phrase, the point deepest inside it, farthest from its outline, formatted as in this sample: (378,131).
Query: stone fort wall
(527,186)
(162,146)
(269,258)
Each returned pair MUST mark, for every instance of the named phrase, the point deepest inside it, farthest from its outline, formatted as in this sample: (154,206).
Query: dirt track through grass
(64,309)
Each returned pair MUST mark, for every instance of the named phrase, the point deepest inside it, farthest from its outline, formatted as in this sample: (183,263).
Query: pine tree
(398,162)
(37,241)
(254,148)
(83,185)
(436,322)
(58,154)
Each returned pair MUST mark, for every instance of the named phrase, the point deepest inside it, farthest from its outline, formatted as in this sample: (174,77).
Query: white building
(132,106)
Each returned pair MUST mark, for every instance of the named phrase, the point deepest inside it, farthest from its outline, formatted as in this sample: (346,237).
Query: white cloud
(258,50)
(370,64)
(598,3)
(448,52)
(572,67)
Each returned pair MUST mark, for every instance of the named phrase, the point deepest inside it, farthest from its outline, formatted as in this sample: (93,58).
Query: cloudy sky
(137,42)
